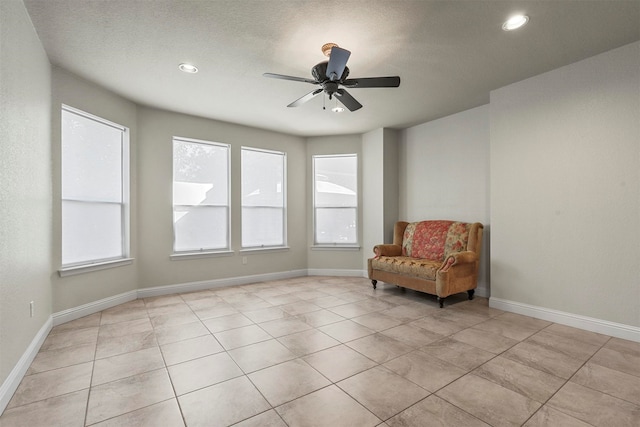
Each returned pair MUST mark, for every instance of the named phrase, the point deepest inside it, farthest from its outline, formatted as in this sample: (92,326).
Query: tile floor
(322,351)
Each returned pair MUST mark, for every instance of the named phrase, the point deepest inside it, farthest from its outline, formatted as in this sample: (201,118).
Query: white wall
(155,218)
(25,185)
(332,259)
(74,291)
(565,188)
(444,174)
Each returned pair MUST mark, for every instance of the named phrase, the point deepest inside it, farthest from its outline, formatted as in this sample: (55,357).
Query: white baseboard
(613,329)
(10,385)
(217,283)
(92,307)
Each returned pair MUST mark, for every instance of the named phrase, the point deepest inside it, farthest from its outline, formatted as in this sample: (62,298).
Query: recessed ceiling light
(188,68)
(515,22)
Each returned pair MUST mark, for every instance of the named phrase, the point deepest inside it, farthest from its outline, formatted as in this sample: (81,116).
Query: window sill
(335,248)
(88,268)
(196,255)
(269,249)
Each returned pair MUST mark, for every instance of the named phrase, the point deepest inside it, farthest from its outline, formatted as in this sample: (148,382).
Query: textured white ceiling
(449,54)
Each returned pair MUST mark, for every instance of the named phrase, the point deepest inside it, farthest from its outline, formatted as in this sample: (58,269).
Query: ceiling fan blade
(305,98)
(373,82)
(337,61)
(295,79)
(347,100)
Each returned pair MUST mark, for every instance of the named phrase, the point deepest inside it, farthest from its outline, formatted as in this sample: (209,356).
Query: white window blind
(200,196)
(263,198)
(335,199)
(95,189)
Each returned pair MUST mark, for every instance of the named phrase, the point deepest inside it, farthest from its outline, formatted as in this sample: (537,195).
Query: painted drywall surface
(333,259)
(565,188)
(380,151)
(444,174)
(71,90)
(25,184)
(155,179)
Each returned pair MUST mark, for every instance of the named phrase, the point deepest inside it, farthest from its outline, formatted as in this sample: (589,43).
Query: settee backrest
(435,239)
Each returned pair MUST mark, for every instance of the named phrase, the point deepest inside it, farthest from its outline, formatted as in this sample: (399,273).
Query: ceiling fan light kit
(332,75)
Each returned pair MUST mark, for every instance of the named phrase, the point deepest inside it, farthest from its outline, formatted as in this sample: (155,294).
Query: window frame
(284,245)
(334,245)
(203,252)
(73,268)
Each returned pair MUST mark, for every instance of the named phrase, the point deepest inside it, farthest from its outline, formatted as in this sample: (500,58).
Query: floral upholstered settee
(437,257)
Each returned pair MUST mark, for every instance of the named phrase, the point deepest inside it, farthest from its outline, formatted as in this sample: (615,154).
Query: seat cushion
(407,266)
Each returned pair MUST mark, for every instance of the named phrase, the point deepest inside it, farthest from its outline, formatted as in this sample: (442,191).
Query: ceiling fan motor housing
(319,72)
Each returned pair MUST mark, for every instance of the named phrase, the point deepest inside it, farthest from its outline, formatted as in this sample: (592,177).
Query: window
(95,189)
(335,200)
(200,196)
(263,198)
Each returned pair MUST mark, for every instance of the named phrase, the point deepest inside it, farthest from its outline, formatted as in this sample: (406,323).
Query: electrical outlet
(32,308)
(244,260)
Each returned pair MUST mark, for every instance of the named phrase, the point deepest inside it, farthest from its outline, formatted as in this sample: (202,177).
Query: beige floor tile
(377,321)
(523,321)
(175,333)
(383,392)
(609,381)
(437,325)
(435,412)
(380,348)
(488,401)
(287,381)
(319,318)
(266,314)
(126,365)
(428,372)
(127,327)
(222,404)
(412,335)
(340,362)
(70,338)
(458,353)
(203,372)
(162,300)
(224,323)
(299,308)
(577,334)
(197,295)
(328,407)
(281,327)
(112,346)
(529,382)
(61,357)
(129,311)
(488,341)
(177,308)
(128,394)
(409,312)
(544,359)
(53,383)
(328,301)
(352,310)
(265,419)
(218,310)
(66,410)
(261,355)
(624,346)
(465,318)
(346,330)
(281,299)
(623,361)
(549,417)
(502,326)
(594,407)
(165,413)
(574,348)
(204,301)
(169,319)
(242,336)
(307,342)
(90,321)
(190,349)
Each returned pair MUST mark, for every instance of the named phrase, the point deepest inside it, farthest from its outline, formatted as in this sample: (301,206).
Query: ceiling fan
(332,74)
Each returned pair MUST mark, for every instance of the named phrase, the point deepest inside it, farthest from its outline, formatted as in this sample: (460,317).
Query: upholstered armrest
(456,258)
(387,250)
